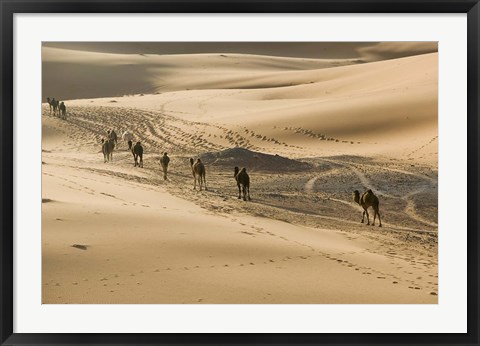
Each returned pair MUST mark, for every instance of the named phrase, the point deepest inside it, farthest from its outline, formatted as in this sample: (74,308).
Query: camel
(53,104)
(137,152)
(366,200)
(164,160)
(63,110)
(107,149)
(113,135)
(198,171)
(243,181)
(127,136)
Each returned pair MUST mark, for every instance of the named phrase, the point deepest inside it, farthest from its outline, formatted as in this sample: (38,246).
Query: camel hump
(191,162)
(370,191)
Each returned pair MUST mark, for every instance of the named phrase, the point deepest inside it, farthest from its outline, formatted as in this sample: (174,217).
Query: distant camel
(63,110)
(112,134)
(198,171)
(137,152)
(107,149)
(243,181)
(53,105)
(368,199)
(164,160)
(127,136)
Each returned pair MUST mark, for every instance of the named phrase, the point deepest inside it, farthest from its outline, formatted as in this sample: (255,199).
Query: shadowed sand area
(308,130)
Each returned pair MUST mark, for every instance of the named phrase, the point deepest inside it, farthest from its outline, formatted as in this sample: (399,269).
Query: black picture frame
(10,7)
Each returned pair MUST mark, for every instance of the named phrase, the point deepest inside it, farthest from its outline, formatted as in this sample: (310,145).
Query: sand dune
(72,74)
(371,51)
(394,113)
(113,233)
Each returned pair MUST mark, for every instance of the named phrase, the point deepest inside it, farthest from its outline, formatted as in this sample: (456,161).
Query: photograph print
(239,173)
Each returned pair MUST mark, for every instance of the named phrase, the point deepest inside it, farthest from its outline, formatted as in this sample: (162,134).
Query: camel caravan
(59,109)
(366,200)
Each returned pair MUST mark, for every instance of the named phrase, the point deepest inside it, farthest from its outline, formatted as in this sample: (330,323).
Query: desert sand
(309,130)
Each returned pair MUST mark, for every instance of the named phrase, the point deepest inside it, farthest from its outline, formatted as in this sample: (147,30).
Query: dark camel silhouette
(113,135)
(164,160)
(198,171)
(137,152)
(53,105)
(243,183)
(63,110)
(366,200)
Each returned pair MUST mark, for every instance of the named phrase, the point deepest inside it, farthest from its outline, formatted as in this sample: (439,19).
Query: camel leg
(248,191)
(239,191)
(363,216)
(368,217)
(379,220)
(244,190)
(204,181)
(194,182)
(141,161)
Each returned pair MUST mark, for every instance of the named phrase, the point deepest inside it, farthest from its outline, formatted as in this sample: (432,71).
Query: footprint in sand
(80,246)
